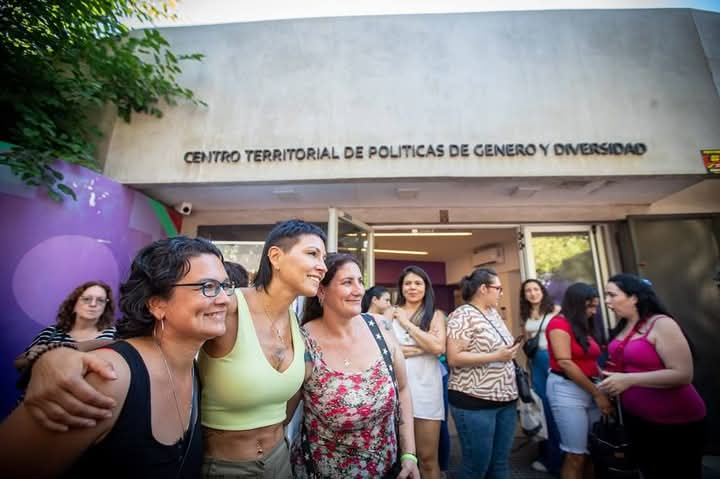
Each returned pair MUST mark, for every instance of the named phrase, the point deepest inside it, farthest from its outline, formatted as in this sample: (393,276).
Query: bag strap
(387,357)
(502,338)
(496,330)
(541,325)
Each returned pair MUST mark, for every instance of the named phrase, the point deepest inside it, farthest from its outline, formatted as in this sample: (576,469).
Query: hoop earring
(162,329)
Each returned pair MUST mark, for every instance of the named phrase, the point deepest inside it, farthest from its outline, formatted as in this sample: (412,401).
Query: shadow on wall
(48,248)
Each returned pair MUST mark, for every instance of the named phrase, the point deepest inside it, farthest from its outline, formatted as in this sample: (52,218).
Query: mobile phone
(519,339)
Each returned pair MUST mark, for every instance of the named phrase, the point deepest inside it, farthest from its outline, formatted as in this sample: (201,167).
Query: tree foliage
(568,256)
(64,59)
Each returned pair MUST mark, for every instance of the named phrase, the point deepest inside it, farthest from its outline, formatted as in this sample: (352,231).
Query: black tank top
(129,450)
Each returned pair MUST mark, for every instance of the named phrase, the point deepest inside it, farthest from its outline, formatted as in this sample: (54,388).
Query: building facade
(523,128)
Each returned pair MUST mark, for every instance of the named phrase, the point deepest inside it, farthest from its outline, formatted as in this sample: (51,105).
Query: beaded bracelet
(409,455)
(32,356)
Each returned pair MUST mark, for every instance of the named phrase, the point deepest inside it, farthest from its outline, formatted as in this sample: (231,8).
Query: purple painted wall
(48,248)
(387,271)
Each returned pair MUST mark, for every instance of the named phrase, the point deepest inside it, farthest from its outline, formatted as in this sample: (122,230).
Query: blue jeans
(551,455)
(574,410)
(486,437)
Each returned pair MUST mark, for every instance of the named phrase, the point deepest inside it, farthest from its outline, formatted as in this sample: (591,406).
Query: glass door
(349,235)
(562,255)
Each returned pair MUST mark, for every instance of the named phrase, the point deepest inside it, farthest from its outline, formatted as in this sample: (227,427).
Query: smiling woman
(174,299)
(355,390)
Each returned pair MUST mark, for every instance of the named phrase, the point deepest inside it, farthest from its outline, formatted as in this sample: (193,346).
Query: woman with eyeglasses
(575,400)
(87,313)
(251,374)
(174,299)
(482,388)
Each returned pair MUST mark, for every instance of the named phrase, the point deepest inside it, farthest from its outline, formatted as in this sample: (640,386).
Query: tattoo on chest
(278,357)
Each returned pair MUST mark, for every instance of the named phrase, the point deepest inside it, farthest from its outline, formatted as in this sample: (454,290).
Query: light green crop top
(242,390)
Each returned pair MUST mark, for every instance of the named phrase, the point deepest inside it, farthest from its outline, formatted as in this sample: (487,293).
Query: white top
(532,325)
(424,376)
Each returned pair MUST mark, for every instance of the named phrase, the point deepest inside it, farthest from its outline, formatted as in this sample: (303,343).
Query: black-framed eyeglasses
(211,289)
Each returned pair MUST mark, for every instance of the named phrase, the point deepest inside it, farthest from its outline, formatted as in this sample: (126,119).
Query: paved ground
(525,453)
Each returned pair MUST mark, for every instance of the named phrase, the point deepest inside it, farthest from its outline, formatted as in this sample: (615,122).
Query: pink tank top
(662,405)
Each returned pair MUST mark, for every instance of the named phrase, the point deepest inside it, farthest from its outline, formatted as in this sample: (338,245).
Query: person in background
(376,300)
(536,311)
(351,403)
(482,389)
(237,274)
(174,299)
(420,330)
(87,313)
(572,394)
(651,369)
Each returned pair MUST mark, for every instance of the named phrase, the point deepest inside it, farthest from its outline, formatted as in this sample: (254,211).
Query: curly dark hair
(66,314)
(546,304)
(153,272)
(334,261)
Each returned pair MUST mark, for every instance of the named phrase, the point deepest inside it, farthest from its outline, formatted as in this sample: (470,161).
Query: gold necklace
(172,385)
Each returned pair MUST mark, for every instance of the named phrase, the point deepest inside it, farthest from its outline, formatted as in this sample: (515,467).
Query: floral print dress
(348,420)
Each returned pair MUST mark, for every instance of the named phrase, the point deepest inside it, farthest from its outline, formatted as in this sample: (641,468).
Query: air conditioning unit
(488,255)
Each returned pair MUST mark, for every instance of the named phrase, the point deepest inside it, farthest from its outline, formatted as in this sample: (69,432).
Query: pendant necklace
(346,362)
(172,385)
(273,325)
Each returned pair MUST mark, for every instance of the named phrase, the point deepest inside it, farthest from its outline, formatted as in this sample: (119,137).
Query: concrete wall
(540,77)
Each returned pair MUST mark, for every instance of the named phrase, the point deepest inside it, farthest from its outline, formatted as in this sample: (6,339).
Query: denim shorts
(574,411)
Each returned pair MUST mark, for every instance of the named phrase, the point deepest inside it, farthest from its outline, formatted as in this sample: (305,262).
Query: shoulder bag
(521,376)
(531,346)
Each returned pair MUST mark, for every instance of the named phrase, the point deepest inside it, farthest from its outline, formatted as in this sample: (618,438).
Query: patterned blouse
(349,420)
(490,381)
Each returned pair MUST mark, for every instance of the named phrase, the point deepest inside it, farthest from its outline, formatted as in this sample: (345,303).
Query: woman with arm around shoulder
(536,311)
(175,299)
(351,409)
(572,394)
(482,388)
(243,423)
(420,330)
(663,413)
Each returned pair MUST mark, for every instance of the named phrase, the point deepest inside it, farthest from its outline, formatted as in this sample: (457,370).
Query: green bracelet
(409,455)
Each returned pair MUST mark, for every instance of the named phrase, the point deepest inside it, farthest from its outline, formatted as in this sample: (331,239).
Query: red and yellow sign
(711,158)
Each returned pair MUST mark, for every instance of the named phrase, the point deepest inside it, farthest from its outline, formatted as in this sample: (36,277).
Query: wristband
(410,456)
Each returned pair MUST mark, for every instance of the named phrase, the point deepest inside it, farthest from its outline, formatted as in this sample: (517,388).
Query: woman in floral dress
(350,401)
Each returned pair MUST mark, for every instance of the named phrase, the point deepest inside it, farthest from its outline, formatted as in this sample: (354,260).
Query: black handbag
(610,448)
(521,376)
(531,346)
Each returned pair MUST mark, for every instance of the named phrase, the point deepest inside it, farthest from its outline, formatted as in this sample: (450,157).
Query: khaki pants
(276,464)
